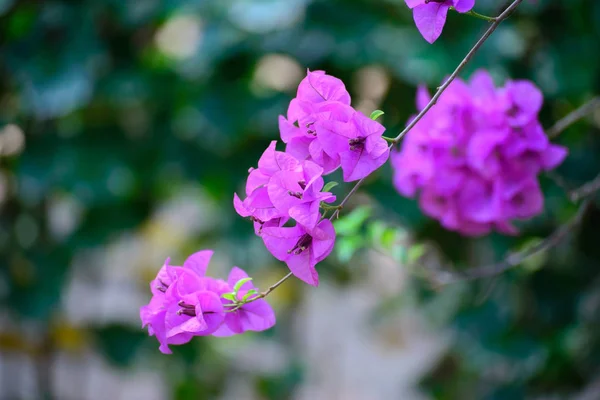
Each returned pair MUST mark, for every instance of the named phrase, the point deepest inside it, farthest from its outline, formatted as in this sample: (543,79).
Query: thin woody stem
(514,259)
(458,69)
(263,294)
(573,117)
(585,190)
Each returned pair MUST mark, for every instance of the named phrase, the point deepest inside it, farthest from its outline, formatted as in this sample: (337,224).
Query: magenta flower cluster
(284,198)
(430,15)
(187,303)
(475,156)
(284,194)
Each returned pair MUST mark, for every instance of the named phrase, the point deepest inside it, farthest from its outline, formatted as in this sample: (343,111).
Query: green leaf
(375,232)
(350,224)
(329,185)
(251,292)
(536,261)
(240,283)
(229,296)
(415,252)
(347,246)
(376,114)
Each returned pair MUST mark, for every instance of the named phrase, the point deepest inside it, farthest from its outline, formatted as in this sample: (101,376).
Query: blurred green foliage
(125,103)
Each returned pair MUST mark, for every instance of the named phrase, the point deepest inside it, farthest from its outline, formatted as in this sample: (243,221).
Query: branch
(263,294)
(573,116)
(458,69)
(585,190)
(515,259)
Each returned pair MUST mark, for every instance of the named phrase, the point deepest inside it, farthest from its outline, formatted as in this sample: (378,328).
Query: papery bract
(155,314)
(320,97)
(257,204)
(358,143)
(430,15)
(301,249)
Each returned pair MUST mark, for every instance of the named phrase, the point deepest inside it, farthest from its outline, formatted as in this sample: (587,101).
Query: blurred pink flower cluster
(474,158)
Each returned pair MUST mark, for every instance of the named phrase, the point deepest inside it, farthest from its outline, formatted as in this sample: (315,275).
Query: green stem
(481,16)
(327,207)
(388,139)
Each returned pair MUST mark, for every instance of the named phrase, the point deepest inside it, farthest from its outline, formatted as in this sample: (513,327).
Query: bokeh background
(125,128)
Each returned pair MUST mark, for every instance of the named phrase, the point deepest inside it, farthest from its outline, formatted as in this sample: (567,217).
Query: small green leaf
(240,283)
(251,292)
(351,223)
(375,231)
(415,252)
(346,247)
(535,261)
(228,296)
(376,114)
(329,185)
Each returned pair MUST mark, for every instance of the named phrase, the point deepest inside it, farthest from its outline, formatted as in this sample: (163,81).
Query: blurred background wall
(125,128)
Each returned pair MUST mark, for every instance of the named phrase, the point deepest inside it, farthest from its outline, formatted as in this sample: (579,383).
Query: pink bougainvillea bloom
(186,303)
(318,87)
(297,193)
(155,314)
(320,97)
(257,204)
(254,316)
(358,143)
(430,15)
(525,101)
(282,187)
(474,158)
(194,305)
(302,140)
(301,249)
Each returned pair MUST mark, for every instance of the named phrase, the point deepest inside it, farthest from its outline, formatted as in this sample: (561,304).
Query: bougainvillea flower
(319,97)
(186,303)
(358,143)
(282,187)
(525,101)
(430,15)
(301,130)
(197,262)
(298,193)
(257,204)
(318,87)
(193,304)
(301,249)
(256,315)
(474,158)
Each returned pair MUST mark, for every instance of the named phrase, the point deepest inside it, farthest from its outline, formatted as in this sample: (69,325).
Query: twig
(515,259)
(458,69)
(263,294)
(585,190)
(573,117)
(560,182)
(345,200)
